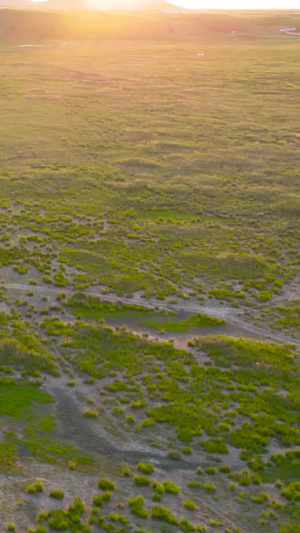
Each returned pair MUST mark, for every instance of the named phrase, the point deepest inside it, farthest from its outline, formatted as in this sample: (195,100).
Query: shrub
(158,487)
(59,519)
(10,527)
(209,487)
(193,484)
(146,468)
(90,413)
(41,529)
(34,488)
(142,480)
(186,526)
(163,513)
(245,477)
(100,498)
(187,450)
(175,456)
(211,470)
(185,434)
(260,499)
(156,497)
(189,504)
(224,469)
(292,491)
(171,487)
(214,445)
(147,423)
(106,484)
(76,508)
(137,506)
(118,518)
(57,494)
(42,517)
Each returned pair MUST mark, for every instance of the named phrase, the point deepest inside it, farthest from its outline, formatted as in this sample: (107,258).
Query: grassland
(149,188)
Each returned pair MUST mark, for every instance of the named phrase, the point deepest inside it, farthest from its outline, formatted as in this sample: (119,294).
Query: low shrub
(57,494)
(106,484)
(193,484)
(209,487)
(171,487)
(100,498)
(90,413)
(158,487)
(142,480)
(34,488)
(137,506)
(211,470)
(146,468)
(262,498)
(186,526)
(189,504)
(163,513)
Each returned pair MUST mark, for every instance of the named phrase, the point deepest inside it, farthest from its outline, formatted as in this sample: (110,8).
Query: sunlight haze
(198,4)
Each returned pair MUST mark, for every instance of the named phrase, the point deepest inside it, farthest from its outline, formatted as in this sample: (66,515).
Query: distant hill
(65,5)
(42,25)
(50,4)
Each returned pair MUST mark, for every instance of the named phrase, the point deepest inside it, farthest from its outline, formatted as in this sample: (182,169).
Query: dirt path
(290,292)
(233,317)
(84,433)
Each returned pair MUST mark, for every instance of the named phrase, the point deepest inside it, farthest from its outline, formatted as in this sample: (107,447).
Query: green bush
(142,480)
(146,468)
(126,471)
(90,413)
(225,469)
(118,518)
(137,506)
(185,434)
(147,423)
(211,470)
(100,498)
(189,504)
(171,487)
(214,445)
(163,513)
(194,484)
(209,487)
(292,491)
(34,488)
(57,494)
(106,484)
(158,487)
(262,498)
(59,520)
(186,526)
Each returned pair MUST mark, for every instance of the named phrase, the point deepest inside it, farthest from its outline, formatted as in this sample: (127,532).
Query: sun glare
(197,4)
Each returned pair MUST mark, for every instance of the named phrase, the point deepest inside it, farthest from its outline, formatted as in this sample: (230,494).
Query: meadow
(149,273)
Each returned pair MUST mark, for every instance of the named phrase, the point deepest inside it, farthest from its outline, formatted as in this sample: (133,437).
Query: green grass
(18,398)
(284,316)
(177,326)
(172,211)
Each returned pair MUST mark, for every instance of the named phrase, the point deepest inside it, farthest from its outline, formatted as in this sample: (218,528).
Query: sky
(210,4)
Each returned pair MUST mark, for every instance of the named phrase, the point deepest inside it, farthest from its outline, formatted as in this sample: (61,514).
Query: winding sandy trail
(233,317)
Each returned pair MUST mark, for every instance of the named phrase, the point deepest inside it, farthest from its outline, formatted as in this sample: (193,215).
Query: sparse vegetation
(149,190)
